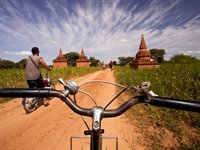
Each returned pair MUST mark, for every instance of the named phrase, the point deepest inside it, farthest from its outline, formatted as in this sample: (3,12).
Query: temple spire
(60,61)
(82,53)
(143,58)
(60,53)
(143,45)
(82,61)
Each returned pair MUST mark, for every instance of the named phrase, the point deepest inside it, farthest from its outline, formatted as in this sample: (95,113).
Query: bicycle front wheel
(30,104)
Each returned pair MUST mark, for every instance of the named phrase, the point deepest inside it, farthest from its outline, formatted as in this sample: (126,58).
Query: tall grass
(181,81)
(12,78)
(169,80)
(15,78)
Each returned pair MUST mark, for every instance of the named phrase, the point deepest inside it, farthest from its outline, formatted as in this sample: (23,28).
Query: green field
(181,81)
(15,78)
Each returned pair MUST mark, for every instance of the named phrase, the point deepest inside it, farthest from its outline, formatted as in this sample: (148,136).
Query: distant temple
(60,61)
(143,57)
(82,61)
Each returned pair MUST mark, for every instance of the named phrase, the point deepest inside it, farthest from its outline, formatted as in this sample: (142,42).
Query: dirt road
(50,128)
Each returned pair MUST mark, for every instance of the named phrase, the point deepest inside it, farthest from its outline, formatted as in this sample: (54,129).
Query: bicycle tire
(31,104)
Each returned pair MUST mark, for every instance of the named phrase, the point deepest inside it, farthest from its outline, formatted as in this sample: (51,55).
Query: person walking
(103,65)
(32,71)
(111,65)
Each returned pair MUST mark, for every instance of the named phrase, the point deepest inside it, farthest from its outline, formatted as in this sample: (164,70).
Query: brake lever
(142,91)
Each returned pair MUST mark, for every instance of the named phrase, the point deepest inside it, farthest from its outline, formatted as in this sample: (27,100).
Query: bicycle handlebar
(176,104)
(155,101)
(25,92)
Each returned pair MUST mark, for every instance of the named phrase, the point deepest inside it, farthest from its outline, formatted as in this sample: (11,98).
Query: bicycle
(97,113)
(30,104)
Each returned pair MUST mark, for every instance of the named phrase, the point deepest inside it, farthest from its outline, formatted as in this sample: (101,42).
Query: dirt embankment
(50,128)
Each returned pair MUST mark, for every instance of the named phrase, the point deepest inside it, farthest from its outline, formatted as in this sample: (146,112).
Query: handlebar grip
(176,104)
(24,92)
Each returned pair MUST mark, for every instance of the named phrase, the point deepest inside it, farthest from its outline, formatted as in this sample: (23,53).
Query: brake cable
(81,115)
(86,125)
(116,97)
(107,82)
(112,83)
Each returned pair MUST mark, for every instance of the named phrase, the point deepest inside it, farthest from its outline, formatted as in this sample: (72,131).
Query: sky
(105,29)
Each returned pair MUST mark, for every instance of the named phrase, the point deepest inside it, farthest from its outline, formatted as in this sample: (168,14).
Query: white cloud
(18,53)
(124,40)
(54,42)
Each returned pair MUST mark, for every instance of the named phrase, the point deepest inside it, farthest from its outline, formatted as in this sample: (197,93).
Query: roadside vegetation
(15,78)
(167,128)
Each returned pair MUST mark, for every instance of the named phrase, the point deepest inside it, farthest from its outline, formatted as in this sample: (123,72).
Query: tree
(125,60)
(72,57)
(7,64)
(114,63)
(93,61)
(157,54)
(21,64)
(181,58)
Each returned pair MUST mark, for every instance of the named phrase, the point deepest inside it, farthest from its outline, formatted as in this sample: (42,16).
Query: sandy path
(50,128)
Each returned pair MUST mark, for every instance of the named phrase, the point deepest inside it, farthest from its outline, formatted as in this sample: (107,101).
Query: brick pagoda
(60,61)
(143,57)
(82,61)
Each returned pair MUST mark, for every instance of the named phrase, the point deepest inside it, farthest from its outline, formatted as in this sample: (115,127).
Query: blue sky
(105,29)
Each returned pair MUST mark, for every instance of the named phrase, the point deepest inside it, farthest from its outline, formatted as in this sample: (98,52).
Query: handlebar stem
(97,116)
